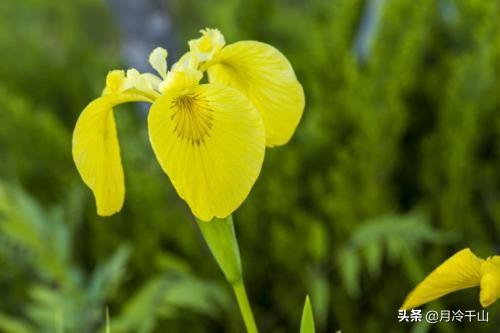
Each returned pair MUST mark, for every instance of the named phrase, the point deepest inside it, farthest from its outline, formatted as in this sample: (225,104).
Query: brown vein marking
(193,118)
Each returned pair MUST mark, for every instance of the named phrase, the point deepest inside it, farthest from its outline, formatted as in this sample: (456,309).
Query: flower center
(192,117)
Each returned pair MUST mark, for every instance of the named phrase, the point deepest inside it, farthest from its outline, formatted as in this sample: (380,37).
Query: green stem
(221,239)
(244,304)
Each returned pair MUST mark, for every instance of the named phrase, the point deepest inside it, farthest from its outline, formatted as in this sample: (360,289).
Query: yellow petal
(115,82)
(138,80)
(188,60)
(205,47)
(133,83)
(210,142)
(181,79)
(154,81)
(461,271)
(495,260)
(97,154)
(266,77)
(158,60)
(490,281)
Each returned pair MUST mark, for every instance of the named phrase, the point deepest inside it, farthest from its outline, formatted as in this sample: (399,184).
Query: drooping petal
(461,271)
(490,281)
(96,151)
(266,77)
(210,141)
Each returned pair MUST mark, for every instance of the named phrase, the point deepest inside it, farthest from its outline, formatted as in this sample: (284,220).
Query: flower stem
(244,304)
(222,242)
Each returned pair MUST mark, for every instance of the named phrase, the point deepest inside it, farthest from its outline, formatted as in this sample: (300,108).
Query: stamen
(193,118)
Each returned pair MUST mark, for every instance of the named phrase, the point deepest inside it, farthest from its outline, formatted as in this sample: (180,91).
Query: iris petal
(96,151)
(490,281)
(266,77)
(461,271)
(210,141)
(158,60)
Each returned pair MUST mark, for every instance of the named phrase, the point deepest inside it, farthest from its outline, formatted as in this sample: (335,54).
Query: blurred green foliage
(60,296)
(394,167)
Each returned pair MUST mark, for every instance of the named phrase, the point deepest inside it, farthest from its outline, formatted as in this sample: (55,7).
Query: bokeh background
(395,166)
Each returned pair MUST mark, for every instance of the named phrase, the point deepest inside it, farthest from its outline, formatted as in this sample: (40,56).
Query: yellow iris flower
(461,271)
(208,138)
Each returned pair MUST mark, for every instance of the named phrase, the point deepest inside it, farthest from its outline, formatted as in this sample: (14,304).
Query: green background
(394,167)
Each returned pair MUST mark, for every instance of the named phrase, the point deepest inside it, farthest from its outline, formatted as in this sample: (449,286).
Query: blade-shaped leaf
(307,323)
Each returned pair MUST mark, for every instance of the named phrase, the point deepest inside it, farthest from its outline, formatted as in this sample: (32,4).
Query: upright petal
(188,60)
(97,154)
(116,82)
(181,80)
(158,60)
(210,141)
(461,271)
(139,81)
(266,77)
(205,47)
(153,81)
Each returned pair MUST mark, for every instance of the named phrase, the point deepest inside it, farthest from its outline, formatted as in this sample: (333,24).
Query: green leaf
(107,277)
(307,323)
(108,328)
(165,297)
(139,314)
(197,295)
(389,237)
(350,268)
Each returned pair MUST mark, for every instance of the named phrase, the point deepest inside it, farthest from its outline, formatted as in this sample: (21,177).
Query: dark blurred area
(394,167)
